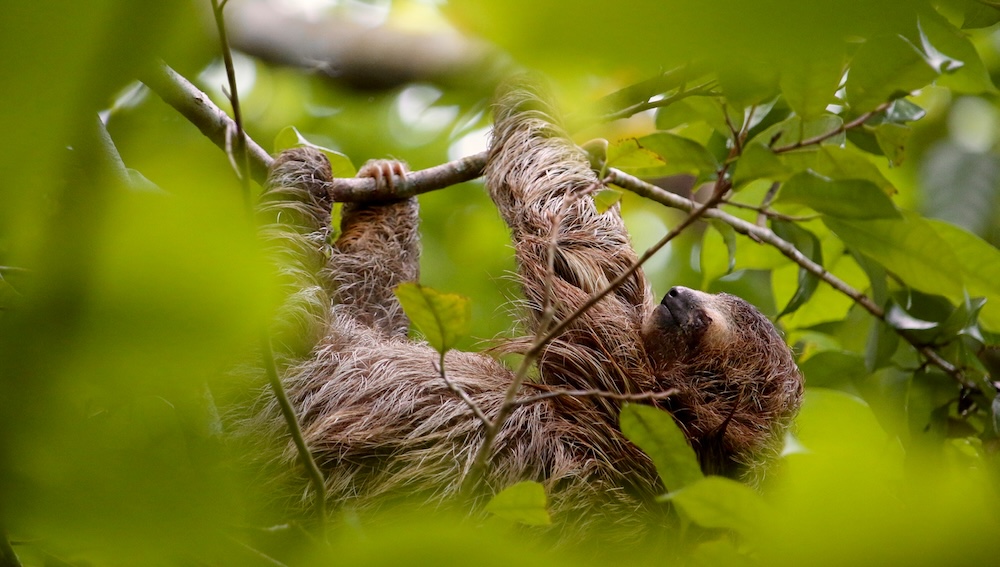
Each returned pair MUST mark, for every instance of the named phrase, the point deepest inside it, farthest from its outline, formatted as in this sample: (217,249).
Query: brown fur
(380,421)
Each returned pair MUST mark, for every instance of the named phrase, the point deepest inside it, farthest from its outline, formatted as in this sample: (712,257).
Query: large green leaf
(523,502)
(944,40)
(656,433)
(837,162)
(721,503)
(678,155)
(884,68)
(908,247)
(810,83)
(980,268)
(847,198)
(758,162)
(442,317)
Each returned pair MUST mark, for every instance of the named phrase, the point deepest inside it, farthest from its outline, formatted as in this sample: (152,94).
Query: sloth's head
(738,385)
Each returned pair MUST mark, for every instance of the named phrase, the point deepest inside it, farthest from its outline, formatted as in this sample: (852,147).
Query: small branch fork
(194,105)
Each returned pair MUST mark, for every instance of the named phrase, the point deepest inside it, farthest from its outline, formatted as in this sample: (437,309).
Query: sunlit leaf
(938,60)
(678,154)
(523,502)
(908,247)
(658,435)
(442,317)
(847,198)
(980,267)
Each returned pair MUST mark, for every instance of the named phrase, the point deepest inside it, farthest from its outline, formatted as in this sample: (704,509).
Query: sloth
(382,424)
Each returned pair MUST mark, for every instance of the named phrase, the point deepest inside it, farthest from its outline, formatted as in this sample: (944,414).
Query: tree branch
(199,109)
(835,132)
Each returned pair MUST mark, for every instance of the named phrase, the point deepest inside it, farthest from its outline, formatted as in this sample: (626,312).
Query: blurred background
(131,283)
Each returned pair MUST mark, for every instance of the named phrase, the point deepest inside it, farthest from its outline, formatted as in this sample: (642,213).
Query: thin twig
(639,397)
(835,132)
(242,162)
(199,109)
(767,213)
(476,410)
(701,90)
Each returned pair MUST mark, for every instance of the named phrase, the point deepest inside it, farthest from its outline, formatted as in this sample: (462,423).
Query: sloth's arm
(542,185)
(378,248)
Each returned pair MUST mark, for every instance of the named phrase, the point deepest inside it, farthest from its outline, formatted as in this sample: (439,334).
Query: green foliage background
(124,311)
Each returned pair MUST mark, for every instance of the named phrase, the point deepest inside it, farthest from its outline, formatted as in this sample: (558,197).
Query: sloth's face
(689,325)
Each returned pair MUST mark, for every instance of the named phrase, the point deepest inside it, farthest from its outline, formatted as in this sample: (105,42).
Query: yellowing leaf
(443,318)
(523,502)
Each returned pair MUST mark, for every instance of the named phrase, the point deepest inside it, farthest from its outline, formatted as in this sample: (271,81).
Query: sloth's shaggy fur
(382,424)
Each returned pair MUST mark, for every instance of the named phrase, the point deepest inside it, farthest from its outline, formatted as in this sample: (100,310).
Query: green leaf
(937,59)
(902,110)
(848,198)
(945,45)
(884,68)
(892,140)
(980,15)
(833,369)
(880,346)
(442,317)
(605,199)
(290,137)
(655,432)
(721,503)
(908,247)
(678,154)
(628,156)
(758,162)
(523,502)
(837,162)
(810,83)
(807,243)
(979,264)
